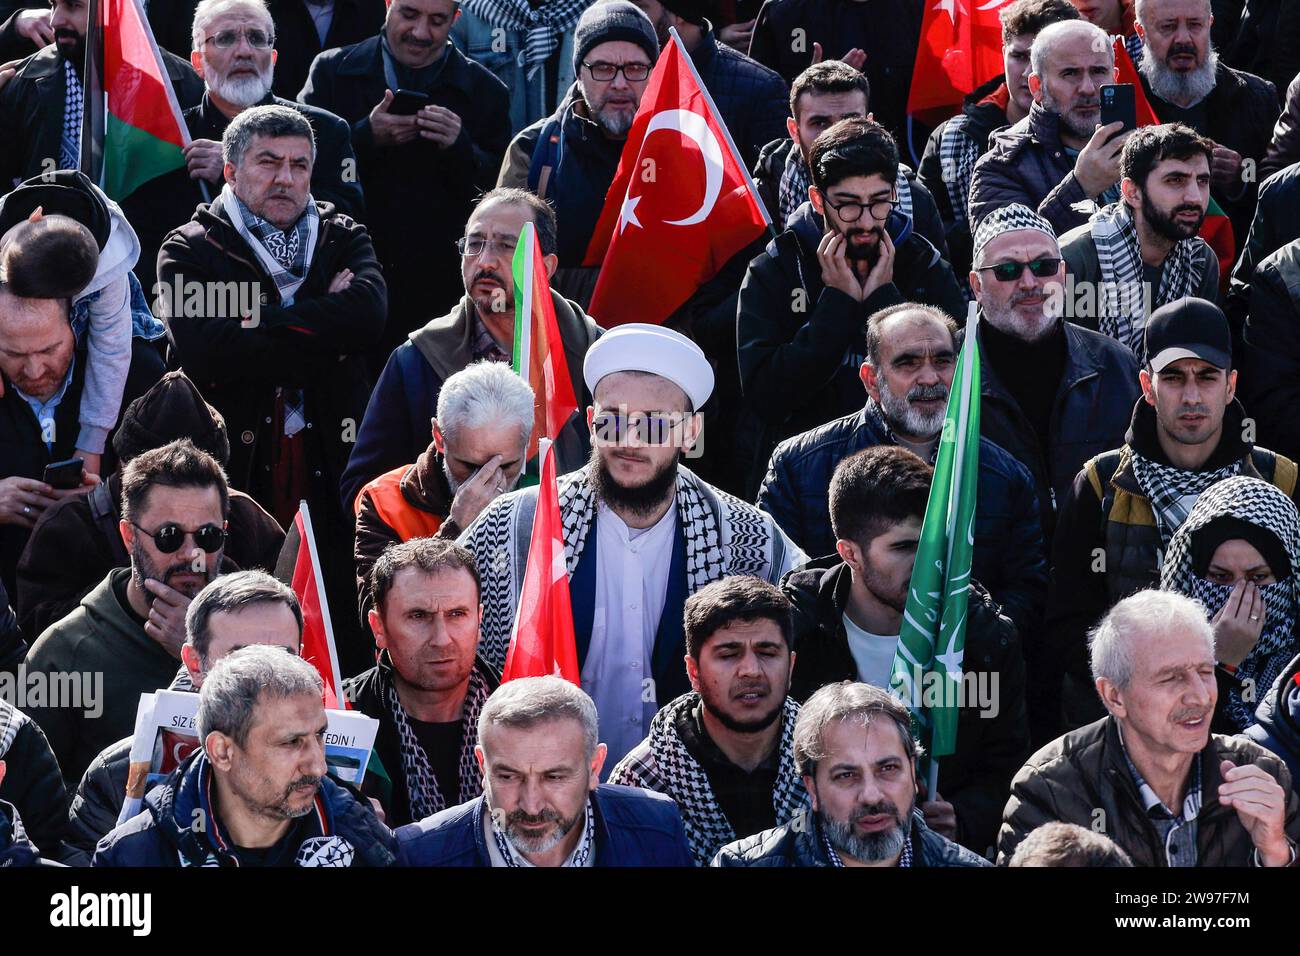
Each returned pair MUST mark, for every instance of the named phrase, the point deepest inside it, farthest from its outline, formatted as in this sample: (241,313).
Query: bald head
(1075,36)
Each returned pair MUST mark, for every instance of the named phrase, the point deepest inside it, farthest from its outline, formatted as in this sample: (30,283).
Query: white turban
(637,347)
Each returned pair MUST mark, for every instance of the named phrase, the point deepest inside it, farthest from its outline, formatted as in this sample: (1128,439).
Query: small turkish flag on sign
(680,205)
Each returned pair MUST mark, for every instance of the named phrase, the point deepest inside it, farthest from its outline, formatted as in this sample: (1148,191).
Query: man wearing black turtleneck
(1053,394)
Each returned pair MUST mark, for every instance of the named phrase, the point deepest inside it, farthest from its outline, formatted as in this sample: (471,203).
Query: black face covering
(1205,541)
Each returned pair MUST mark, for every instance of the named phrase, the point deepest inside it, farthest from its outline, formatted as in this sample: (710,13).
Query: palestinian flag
(133,130)
(1216,230)
(299,567)
(539,350)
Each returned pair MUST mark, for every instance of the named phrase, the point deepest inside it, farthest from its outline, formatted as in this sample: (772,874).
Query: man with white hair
(479,448)
(1150,774)
(1185,82)
(641,532)
(1057,158)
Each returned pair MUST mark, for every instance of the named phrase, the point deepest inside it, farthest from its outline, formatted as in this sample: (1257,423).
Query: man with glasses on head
(124,639)
(804,304)
(570,158)
(395,430)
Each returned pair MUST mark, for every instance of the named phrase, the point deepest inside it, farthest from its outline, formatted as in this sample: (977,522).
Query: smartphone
(408,102)
(1119,104)
(65,474)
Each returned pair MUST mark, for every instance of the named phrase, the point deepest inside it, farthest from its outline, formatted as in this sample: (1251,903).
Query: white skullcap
(638,347)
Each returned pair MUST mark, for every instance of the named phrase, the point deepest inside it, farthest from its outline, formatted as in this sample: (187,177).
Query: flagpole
(310,535)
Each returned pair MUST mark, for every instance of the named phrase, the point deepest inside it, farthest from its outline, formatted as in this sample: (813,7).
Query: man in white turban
(641,532)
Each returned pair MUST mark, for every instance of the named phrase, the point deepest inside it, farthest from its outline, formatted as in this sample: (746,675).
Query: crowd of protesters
(319,307)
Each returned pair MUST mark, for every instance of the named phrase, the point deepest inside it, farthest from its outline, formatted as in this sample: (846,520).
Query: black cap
(67,192)
(1188,328)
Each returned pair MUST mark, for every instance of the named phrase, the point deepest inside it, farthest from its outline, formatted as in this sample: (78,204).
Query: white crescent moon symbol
(992,4)
(695,127)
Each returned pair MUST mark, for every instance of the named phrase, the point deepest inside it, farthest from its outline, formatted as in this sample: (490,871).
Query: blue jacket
(1010,558)
(15,849)
(165,831)
(633,828)
(1277,718)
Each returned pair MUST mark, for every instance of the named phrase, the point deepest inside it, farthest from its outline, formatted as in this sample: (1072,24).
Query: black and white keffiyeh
(724,536)
(421,783)
(544,24)
(792,191)
(1173,491)
(285,254)
(958,153)
(1122,306)
(669,768)
(1259,503)
(73,106)
(578,858)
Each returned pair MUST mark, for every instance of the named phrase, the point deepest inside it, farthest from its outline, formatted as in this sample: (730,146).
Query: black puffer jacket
(789,845)
(1271,369)
(991,742)
(1277,717)
(1276,222)
(32,782)
(753,99)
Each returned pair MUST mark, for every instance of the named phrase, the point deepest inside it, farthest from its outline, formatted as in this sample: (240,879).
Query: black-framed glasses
(258,39)
(169,538)
(1043,268)
(605,72)
(852,211)
(612,428)
(471,246)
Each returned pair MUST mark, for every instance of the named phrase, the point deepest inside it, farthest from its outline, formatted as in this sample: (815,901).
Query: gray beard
(241,93)
(900,416)
(871,848)
(1181,89)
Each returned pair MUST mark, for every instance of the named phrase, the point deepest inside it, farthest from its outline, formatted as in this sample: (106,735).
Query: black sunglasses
(1011,271)
(612,428)
(169,538)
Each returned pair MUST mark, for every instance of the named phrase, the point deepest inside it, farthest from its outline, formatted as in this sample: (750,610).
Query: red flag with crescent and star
(680,206)
(960,48)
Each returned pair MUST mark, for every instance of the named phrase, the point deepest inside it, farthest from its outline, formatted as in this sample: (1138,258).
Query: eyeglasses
(605,72)
(852,211)
(1043,268)
(612,428)
(169,538)
(257,39)
(471,246)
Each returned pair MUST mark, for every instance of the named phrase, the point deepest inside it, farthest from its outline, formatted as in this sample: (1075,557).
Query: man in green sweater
(84,676)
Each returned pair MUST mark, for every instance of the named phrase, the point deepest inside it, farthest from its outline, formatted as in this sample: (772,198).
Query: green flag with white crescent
(927,671)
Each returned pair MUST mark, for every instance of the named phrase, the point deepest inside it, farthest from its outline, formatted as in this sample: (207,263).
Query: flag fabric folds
(299,567)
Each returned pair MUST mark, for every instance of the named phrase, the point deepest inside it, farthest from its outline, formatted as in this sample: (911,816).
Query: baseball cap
(1188,328)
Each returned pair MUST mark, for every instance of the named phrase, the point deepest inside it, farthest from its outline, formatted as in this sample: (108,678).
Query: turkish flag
(680,206)
(543,642)
(960,48)
(299,567)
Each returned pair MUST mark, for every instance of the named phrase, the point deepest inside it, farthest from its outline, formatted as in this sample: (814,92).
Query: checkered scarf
(285,254)
(1173,491)
(545,23)
(1115,235)
(73,104)
(958,153)
(904,855)
(421,783)
(793,190)
(724,536)
(670,769)
(1261,504)
(578,858)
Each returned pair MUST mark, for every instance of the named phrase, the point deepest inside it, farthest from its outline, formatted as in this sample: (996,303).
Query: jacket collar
(45,63)
(425,484)
(600,834)
(1044,126)
(707,50)
(1083,361)
(366,59)
(216,120)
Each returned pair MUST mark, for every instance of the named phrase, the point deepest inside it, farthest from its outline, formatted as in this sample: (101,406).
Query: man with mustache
(848,611)
(911,357)
(1185,82)
(1143,251)
(131,627)
(1170,792)
(641,532)
(543,804)
(853,745)
(480,444)
(724,752)
(481,327)
(1187,432)
(257,792)
(1057,158)
(804,303)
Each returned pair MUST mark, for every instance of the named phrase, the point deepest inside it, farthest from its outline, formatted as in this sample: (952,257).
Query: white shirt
(872,653)
(631,583)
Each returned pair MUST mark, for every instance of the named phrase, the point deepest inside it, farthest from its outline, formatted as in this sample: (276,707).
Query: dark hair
(852,147)
(234,592)
(1030,16)
(846,701)
(875,489)
(272,121)
(543,213)
(878,319)
(177,464)
(52,258)
(737,598)
(828,76)
(1068,844)
(427,554)
(1150,145)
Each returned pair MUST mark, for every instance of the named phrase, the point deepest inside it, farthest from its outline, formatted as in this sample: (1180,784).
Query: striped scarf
(544,25)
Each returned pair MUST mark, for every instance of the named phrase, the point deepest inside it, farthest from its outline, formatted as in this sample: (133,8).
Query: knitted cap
(1013,218)
(611,20)
(172,409)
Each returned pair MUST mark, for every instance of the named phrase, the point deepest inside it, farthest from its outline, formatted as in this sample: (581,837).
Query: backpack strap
(545,158)
(1275,468)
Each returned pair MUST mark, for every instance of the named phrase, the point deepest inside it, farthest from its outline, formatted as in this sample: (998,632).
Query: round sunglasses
(169,538)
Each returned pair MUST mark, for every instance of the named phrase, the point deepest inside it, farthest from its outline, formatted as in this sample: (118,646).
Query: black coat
(990,749)
(33,782)
(1277,719)
(418,195)
(754,100)
(1271,370)
(297,43)
(800,344)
